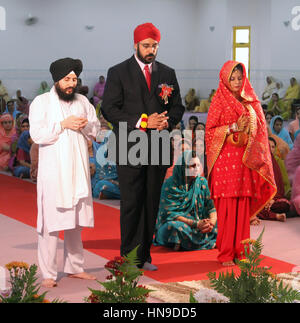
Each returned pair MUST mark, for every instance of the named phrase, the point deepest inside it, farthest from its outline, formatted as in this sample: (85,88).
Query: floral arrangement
(23,285)
(254,284)
(166,91)
(121,286)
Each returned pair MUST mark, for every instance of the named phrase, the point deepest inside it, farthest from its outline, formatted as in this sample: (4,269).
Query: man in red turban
(135,95)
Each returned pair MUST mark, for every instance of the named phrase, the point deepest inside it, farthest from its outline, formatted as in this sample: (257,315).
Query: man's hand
(74,123)
(158,121)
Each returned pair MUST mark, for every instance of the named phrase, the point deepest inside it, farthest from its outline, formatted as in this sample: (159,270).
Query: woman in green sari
(187,216)
(276,106)
(292,93)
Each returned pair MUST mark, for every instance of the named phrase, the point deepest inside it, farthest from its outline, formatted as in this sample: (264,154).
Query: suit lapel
(138,74)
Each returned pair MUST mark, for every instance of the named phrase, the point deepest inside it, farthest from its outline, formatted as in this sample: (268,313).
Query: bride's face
(236,81)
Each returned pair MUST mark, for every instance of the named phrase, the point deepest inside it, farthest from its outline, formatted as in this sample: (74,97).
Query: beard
(148,59)
(63,95)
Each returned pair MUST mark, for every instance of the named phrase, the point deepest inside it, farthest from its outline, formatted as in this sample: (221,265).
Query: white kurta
(46,132)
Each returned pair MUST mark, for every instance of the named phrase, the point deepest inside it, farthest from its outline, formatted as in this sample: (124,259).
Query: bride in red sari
(240,172)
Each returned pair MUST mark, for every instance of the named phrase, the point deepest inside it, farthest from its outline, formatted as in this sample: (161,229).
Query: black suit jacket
(127,96)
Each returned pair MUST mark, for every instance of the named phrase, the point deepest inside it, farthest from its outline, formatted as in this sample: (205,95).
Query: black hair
(197,124)
(272,139)
(193,118)
(270,113)
(278,118)
(238,67)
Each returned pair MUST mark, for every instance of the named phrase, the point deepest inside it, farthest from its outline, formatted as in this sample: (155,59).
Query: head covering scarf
(278,178)
(62,67)
(23,141)
(15,112)
(105,169)
(44,87)
(5,138)
(283,147)
(19,121)
(189,200)
(225,110)
(145,31)
(296,134)
(292,160)
(178,197)
(3,133)
(283,134)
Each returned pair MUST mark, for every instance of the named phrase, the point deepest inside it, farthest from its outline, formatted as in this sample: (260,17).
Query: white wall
(27,51)
(187,43)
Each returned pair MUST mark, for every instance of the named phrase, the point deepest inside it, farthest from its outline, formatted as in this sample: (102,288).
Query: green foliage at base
(122,285)
(255,284)
(24,288)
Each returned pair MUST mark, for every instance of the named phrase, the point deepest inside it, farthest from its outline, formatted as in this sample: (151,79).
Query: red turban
(145,31)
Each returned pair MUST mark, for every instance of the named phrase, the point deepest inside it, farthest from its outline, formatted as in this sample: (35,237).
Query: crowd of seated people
(274,98)
(19,155)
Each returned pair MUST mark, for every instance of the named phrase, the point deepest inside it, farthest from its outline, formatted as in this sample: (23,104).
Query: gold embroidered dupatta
(225,110)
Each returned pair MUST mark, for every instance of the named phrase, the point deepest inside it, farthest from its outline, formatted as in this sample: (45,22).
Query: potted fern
(254,284)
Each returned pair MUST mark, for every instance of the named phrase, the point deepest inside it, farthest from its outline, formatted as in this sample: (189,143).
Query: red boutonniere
(166,91)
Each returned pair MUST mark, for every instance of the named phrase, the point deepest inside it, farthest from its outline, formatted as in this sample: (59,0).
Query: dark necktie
(148,76)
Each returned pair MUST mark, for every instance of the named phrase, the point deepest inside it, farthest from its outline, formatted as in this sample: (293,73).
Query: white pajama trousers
(47,252)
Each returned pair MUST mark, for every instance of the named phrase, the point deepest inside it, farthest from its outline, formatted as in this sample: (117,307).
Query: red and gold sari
(239,176)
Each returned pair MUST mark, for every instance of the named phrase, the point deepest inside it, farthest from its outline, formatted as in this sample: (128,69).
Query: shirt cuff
(139,123)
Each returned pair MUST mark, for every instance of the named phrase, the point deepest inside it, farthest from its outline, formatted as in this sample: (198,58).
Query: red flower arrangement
(121,286)
(166,91)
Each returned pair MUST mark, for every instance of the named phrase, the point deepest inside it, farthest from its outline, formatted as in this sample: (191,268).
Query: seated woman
(282,147)
(198,143)
(292,163)
(34,159)
(187,216)
(191,100)
(22,160)
(279,206)
(180,145)
(276,126)
(105,184)
(269,115)
(44,87)
(295,199)
(204,104)
(283,171)
(268,90)
(276,105)
(292,93)
(294,125)
(7,133)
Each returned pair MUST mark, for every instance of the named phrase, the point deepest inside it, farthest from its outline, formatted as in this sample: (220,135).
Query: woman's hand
(204,226)
(243,122)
